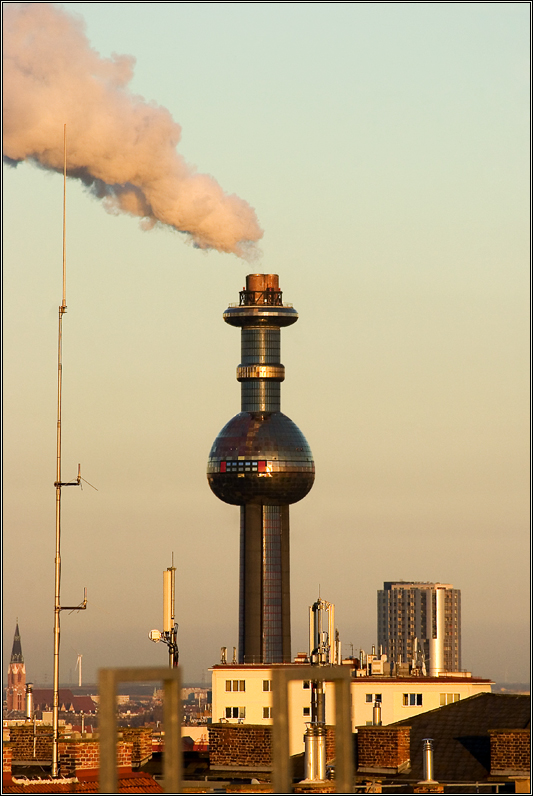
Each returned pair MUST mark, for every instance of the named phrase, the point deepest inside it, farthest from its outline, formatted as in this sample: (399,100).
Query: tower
(262,462)
(429,613)
(16,676)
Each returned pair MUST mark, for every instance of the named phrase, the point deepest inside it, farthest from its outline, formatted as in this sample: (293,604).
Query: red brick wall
(7,756)
(22,740)
(240,745)
(81,757)
(383,747)
(330,744)
(509,751)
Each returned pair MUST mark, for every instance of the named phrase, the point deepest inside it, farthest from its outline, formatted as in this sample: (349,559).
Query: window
(267,712)
(306,684)
(447,699)
(377,698)
(235,713)
(306,712)
(235,685)
(267,685)
(412,699)
(369,697)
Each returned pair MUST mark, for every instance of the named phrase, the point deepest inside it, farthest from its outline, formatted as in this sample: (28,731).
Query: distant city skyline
(383,150)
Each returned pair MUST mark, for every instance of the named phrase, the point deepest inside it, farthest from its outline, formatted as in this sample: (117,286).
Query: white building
(243,694)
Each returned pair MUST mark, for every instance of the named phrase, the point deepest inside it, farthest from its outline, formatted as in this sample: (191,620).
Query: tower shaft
(264,588)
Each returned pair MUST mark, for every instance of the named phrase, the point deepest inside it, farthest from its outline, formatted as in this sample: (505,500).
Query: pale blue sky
(384,147)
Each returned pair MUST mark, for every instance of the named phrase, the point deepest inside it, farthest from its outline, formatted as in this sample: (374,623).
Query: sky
(380,153)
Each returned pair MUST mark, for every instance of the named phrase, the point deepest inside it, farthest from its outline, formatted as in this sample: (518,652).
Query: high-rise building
(262,462)
(16,676)
(421,621)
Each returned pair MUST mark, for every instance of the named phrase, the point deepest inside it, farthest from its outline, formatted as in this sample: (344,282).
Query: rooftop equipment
(324,649)
(169,634)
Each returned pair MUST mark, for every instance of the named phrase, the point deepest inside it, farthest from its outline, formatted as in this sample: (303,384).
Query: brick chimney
(80,757)
(7,757)
(509,753)
(383,750)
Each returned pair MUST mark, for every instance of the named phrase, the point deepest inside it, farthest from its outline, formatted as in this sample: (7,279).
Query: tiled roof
(460,734)
(83,703)
(44,697)
(128,783)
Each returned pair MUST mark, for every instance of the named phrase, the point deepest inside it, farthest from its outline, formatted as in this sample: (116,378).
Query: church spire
(16,653)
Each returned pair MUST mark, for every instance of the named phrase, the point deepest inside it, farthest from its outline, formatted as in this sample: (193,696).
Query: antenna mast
(169,636)
(58,484)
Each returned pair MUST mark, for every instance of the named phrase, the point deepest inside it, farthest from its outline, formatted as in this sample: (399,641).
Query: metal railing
(172,760)
(254,297)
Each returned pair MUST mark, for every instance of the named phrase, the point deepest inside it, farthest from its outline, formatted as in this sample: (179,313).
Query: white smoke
(122,147)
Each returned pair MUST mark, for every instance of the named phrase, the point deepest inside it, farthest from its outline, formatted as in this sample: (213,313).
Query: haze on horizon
(385,150)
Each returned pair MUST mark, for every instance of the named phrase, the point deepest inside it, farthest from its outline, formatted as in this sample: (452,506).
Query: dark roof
(16,652)
(460,734)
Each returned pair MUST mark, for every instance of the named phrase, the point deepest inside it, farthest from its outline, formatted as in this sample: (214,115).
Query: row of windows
(235,713)
(447,699)
(407,699)
(412,699)
(235,685)
(243,467)
(240,685)
(240,713)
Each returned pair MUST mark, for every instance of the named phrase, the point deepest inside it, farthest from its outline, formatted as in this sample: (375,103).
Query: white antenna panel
(167,601)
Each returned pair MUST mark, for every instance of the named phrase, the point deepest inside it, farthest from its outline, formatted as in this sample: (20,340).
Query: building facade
(243,695)
(262,462)
(420,623)
(16,676)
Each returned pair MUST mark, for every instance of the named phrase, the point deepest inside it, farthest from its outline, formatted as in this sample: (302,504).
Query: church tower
(16,676)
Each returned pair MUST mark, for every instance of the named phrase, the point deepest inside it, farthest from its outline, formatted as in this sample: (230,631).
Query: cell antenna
(169,635)
(58,485)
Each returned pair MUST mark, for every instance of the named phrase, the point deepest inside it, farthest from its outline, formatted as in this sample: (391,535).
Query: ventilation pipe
(29,701)
(427,761)
(376,714)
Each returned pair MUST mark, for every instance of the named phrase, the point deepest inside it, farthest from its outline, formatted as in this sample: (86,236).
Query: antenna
(169,635)
(78,666)
(58,484)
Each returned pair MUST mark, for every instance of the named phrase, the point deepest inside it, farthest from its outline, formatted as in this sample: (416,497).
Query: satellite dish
(154,635)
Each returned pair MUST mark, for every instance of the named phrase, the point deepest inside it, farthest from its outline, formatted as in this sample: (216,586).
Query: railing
(172,759)
(233,305)
(273,298)
(340,675)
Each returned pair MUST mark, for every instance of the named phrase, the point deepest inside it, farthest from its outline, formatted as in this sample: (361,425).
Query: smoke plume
(122,147)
